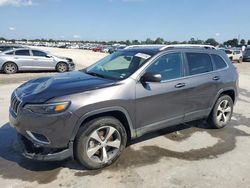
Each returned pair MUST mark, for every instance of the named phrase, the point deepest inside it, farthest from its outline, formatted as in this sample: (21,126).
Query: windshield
(119,65)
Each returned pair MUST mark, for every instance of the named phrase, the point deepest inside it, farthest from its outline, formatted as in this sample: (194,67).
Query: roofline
(163,47)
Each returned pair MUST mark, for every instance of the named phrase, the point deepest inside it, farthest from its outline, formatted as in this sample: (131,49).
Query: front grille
(14,103)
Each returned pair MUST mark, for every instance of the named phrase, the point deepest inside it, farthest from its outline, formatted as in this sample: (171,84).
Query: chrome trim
(188,76)
(37,140)
(20,103)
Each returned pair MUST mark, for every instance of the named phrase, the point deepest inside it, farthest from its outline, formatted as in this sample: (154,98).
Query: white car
(234,55)
(27,59)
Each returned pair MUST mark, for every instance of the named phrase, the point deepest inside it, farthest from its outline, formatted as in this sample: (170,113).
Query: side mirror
(48,56)
(151,77)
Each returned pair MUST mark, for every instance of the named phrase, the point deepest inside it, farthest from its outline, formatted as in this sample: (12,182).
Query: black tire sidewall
(83,136)
(213,118)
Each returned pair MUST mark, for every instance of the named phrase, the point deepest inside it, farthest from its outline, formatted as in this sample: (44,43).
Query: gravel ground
(187,155)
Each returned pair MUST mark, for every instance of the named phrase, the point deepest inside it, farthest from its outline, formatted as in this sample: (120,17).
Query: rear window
(199,63)
(219,62)
(22,52)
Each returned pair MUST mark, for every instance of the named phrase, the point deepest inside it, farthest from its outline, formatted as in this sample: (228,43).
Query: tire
(62,67)
(222,112)
(92,147)
(240,60)
(10,68)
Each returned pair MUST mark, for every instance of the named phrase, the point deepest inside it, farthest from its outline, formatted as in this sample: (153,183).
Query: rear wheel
(222,112)
(10,68)
(100,142)
(62,67)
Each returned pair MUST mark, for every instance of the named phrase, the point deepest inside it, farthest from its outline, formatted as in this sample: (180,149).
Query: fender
(220,92)
(103,110)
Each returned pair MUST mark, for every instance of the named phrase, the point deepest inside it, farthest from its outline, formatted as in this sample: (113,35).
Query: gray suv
(91,114)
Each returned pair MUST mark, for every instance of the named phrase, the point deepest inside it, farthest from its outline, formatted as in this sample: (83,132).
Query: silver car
(27,59)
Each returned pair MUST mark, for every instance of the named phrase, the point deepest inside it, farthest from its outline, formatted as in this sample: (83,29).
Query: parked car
(246,56)
(114,49)
(234,55)
(91,114)
(5,47)
(32,59)
(97,49)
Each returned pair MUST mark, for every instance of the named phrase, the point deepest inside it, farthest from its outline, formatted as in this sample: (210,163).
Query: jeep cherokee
(91,114)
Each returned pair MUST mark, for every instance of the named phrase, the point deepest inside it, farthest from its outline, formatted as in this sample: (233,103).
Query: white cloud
(12,28)
(76,36)
(16,3)
(217,34)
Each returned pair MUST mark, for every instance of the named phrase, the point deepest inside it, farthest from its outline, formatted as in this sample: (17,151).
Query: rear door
(42,61)
(23,59)
(202,83)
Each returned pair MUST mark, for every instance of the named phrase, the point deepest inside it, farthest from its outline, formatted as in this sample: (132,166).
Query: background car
(32,59)
(234,55)
(246,55)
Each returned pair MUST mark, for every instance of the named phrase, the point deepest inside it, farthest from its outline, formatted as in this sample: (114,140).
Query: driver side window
(169,66)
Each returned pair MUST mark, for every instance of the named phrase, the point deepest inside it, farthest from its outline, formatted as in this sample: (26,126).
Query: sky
(125,19)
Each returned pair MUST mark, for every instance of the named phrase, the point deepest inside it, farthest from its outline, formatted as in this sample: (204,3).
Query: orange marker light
(60,107)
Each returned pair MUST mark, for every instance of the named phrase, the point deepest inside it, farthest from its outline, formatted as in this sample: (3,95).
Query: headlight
(51,108)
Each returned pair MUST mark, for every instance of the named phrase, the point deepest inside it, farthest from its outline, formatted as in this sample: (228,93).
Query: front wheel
(62,67)
(100,142)
(222,112)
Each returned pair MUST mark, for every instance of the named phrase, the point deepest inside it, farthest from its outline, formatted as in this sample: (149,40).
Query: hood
(62,58)
(42,89)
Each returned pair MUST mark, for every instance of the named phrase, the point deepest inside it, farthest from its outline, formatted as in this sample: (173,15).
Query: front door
(161,104)
(42,61)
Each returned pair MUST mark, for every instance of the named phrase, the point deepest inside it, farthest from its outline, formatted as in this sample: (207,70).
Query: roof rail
(163,47)
(188,46)
(146,46)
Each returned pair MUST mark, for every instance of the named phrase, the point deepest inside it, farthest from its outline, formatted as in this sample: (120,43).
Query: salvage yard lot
(189,155)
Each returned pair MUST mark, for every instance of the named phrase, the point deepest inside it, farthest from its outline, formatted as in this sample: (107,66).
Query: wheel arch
(117,112)
(227,91)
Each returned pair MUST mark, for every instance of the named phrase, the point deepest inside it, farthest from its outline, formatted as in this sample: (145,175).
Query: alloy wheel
(62,67)
(224,111)
(10,68)
(103,144)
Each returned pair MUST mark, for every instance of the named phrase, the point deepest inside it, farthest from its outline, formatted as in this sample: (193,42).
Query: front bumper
(71,66)
(30,151)
(44,137)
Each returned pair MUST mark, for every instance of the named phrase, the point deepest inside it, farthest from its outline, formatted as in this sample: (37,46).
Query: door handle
(216,78)
(180,85)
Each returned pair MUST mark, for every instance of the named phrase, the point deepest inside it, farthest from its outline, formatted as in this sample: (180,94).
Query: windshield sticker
(143,56)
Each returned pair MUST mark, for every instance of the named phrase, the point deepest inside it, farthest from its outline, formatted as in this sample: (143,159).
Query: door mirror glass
(151,77)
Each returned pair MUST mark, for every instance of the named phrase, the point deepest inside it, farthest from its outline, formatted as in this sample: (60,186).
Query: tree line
(211,41)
